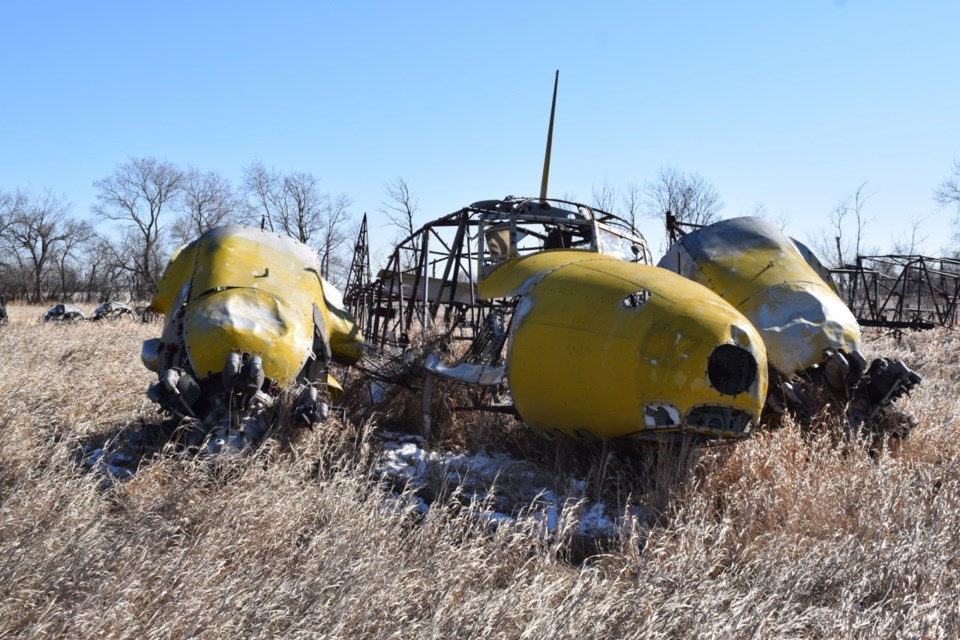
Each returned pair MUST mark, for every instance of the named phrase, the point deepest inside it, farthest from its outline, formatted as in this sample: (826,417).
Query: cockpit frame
(431,278)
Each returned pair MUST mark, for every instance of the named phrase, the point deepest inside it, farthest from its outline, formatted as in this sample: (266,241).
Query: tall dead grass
(790,534)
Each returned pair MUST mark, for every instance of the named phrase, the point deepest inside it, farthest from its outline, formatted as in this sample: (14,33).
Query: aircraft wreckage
(558,309)
(551,310)
(548,309)
(811,335)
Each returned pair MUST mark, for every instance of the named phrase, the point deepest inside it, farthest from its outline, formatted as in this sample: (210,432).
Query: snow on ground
(501,489)
(494,486)
(113,466)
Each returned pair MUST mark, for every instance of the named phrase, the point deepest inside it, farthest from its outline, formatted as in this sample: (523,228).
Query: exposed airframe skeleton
(436,269)
(513,278)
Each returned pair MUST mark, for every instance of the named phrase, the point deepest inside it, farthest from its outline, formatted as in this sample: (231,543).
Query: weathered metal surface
(588,357)
(113,310)
(251,290)
(753,265)
(64,312)
(812,337)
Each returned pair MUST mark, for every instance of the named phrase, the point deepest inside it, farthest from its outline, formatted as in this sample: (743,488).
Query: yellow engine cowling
(240,289)
(755,267)
(602,348)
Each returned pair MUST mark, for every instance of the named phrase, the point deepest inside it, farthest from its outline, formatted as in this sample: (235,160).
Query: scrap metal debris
(64,312)
(68,312)
(113,310)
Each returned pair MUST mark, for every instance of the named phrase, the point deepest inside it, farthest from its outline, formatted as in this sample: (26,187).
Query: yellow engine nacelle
(754,266)
(237,288)
(602,348)
(247,312)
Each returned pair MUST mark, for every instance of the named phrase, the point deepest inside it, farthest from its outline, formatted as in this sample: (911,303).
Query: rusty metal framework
(430,281)
(901,291)
(360,265)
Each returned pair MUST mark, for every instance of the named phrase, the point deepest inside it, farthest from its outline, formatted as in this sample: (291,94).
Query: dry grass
(791,534)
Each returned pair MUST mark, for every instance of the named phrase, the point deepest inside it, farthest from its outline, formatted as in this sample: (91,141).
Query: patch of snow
(500,490)
(113,466)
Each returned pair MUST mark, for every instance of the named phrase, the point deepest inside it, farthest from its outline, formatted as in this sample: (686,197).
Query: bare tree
(35,233)
(293,204)
(302,208)
(12,269)
(632,201)
(687,196)
(912,244)
(107,268)
(834,240)
(948,195)
(760,210)
(857,201)
(334,238)
(605,197)
(839,212)
(852,205)
(400,207)
(206,200)
(265,190)
(11,205)
(76,234)
(135,196)
(627,203)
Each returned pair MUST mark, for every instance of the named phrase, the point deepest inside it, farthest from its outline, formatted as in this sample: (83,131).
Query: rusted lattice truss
(901,291)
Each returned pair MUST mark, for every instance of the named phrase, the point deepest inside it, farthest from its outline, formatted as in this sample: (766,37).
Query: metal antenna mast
(546,158)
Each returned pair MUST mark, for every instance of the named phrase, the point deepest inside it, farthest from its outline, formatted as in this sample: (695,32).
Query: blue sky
(789,104)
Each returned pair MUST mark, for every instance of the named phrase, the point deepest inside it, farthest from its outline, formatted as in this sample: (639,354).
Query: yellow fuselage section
(604,348)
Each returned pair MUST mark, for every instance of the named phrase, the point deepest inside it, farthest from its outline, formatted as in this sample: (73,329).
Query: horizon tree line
(148,207)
